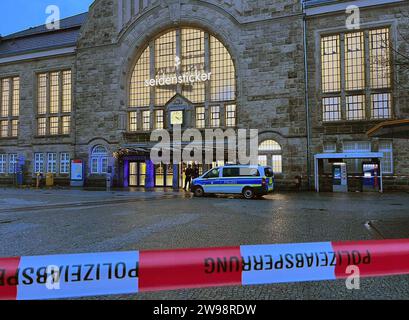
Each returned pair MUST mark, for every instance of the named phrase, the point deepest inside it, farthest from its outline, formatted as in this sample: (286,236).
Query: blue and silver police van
(250,181)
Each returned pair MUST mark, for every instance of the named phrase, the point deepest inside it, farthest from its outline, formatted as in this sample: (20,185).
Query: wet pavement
(40,222)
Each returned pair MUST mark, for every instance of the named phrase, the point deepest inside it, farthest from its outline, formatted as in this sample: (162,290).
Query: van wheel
(248,193)
(198,192)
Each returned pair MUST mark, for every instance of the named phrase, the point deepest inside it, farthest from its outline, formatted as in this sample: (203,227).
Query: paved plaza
(42,222)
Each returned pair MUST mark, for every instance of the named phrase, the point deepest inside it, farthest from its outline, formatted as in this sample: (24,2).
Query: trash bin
(49,180)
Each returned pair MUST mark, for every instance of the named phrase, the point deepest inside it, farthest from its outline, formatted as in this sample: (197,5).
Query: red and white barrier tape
(80,275)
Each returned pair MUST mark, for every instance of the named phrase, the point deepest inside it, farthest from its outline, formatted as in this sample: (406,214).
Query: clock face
(176,117)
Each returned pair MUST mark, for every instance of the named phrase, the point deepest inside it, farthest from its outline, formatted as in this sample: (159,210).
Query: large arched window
(270,155)
(190,62)
(99,160)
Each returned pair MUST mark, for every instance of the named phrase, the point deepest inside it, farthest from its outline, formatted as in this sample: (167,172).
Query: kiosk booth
(371,170)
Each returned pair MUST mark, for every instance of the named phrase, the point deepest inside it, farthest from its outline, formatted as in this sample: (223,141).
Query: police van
(250,181)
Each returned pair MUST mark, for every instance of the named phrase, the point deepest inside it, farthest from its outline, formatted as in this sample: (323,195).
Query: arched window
(270,155)
(99,160)
(187,61)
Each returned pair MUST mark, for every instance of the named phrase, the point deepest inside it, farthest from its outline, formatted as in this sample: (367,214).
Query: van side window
(212,174)
(240,172)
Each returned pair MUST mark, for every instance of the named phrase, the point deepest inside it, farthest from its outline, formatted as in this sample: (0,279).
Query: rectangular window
(54,102)
(379,56)
(3,162)
(363,78)
(355,61)
(66,124)
(215,116)
(15,110)
(54,92)
(104,165)
(381,106)
(54,126)
(330,147)
(159,119)
(14,128)
(5,98)
(277,163)
(64,163)
(42,94)
(200,117)
(146,120)
(231,115)
(262,160)
(133,121)
(51,163)
(12,163)
(94,165)
(387,160)
(66,92)
(41,126)
(331,64)
(355,107)
(355,165)
(39,162)
(331,109)
(4,129)
(9,106)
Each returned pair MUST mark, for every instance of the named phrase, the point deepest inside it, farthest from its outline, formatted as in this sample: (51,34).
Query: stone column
(175,177)
(150,175)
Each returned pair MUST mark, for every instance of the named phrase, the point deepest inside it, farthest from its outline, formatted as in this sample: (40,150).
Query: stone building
(96,88)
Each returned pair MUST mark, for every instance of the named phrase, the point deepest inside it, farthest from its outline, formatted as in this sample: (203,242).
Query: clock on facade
(176,117)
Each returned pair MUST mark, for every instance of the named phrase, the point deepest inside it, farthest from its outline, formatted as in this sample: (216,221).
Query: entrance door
(133,174)
(137,174)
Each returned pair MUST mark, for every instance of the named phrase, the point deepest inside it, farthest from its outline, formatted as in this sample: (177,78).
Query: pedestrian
(188,176)
(195,171)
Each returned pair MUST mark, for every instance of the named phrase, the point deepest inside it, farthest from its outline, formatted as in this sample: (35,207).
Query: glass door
(142,173)
(159,175)
(133,174)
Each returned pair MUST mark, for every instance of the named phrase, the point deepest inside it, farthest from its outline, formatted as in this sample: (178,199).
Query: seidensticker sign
(186,78)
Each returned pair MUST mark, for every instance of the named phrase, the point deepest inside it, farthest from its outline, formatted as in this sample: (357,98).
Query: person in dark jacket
(195,171)
(188,178)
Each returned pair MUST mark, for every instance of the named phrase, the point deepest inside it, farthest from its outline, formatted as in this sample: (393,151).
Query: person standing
(188,176)
(195,171)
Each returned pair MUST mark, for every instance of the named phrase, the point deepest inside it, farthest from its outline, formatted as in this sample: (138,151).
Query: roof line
(31,31)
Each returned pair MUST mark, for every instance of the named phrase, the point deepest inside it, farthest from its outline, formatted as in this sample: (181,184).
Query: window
(12,163)
(356,107)
(200,117)
(159,119)
(39,162)
(330,147)
(53,126)
(362,92)
(331,109)
(387,160)
(3,162)
(188,61)
(215,116)
(379,54)
(64,163)
(99,160)
(356,146)
(240,172)
(231,115)
(270,155)
(66,124)
(41,126)
(51,163)
(4,129)
(214,173)
(54,103)
(9,107)
(133,121)
(381,106)
(331,64)
(146,120)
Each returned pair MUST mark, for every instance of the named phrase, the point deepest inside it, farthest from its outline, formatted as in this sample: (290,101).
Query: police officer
(188,174)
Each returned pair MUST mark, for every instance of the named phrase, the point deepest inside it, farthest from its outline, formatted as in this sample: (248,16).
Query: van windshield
(268,172)
(214,173)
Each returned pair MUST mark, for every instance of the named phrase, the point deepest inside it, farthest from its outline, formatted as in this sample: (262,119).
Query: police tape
(82,275)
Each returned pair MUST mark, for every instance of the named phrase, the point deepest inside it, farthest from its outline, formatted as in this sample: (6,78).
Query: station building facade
(97,87)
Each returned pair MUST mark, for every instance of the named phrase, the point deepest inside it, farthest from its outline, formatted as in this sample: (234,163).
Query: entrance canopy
(345,156)
(391,129)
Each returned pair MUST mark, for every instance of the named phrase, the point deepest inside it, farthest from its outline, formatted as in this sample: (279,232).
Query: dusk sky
(17,15)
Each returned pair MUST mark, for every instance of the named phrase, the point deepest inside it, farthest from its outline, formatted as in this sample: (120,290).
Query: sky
(17,15)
